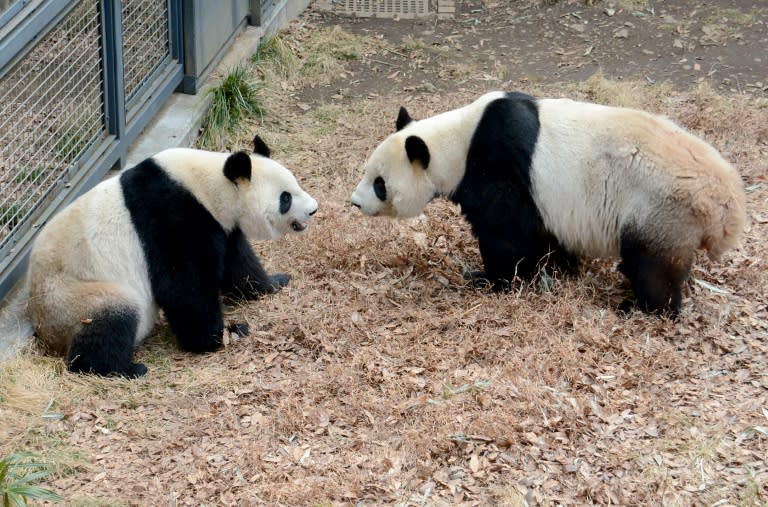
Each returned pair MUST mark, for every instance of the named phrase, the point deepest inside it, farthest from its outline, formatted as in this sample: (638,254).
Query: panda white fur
(556,179)
(169,233)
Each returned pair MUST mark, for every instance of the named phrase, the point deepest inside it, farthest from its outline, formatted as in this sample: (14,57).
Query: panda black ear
(260,147)
(417,149)
(403,119)
(238,165)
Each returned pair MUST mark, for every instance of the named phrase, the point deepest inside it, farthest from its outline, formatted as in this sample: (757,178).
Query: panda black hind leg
(104,345)
(657,277)
(244,276)
(94,325)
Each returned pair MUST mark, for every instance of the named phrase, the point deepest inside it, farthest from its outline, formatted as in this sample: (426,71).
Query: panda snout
(313,212)
(356,205)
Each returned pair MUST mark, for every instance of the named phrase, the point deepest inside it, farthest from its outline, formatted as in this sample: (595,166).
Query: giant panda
(168,233)
(545,179)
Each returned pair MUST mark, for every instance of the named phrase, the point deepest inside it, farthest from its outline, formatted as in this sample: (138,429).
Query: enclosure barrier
(79,81)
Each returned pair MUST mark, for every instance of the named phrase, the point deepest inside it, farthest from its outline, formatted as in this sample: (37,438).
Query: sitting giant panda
(169,233)
(555,179)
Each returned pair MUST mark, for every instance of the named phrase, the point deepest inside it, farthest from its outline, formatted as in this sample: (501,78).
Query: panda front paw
(136,370)
(202,347)
(626,307)
(481,280)
(239,328)
(476,277)
(279,280)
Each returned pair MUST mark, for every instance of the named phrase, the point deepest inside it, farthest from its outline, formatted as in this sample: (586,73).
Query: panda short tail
(723,232)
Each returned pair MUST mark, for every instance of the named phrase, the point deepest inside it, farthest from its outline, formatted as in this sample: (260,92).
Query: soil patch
(520,44)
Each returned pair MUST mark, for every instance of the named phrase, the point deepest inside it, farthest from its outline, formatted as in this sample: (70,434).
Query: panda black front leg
(244,276)
(509,256)
(197,323)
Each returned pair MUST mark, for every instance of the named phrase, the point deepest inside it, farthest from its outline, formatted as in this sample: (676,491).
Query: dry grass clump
(632,94)
(301,60)
(378,376)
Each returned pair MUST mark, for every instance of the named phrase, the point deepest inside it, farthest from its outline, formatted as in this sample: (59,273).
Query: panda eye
(285,202)
(380,188)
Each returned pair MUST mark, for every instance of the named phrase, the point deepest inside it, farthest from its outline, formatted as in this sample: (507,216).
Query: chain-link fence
(146,43)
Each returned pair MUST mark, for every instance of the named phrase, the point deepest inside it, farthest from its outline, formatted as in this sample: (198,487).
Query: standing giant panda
(169,233)
(555,179)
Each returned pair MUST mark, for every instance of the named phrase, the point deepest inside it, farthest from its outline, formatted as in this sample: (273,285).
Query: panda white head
(270,201)
(397,181)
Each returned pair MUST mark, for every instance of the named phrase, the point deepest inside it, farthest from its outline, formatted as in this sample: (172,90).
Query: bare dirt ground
(378,376)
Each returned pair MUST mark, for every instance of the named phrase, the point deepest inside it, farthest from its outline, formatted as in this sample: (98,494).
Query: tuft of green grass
(71,144)
(735,16)
(327,51)
(28,175)
(233,100)
(10,214)
(327,117)
(20,476)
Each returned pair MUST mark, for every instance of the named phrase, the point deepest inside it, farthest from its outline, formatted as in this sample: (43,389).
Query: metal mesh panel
(145,42)
(50,114)
(379,8)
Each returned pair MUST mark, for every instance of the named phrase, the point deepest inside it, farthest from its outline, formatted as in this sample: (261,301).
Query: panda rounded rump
(86,283)
(597,170)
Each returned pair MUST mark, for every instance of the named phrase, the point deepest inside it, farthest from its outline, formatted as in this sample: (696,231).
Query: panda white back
(571,170)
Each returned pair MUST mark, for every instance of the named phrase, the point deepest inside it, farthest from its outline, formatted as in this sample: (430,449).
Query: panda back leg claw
(481,280)
(136,370)
(478,279)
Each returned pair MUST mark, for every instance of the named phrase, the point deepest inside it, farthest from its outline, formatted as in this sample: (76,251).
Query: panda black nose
(313,212)
(355,204)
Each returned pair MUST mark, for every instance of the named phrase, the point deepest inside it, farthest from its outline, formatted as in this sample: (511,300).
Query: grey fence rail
(79,81)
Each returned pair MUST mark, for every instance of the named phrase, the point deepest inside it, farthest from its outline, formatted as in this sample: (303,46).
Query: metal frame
(16,40)
(200,34)
(14,9)
(19,37)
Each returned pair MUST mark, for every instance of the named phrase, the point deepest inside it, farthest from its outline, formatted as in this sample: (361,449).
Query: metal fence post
(255,17)
(114,82)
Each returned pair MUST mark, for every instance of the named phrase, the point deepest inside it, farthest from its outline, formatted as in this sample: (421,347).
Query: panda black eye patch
(285,202)
(380,188)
